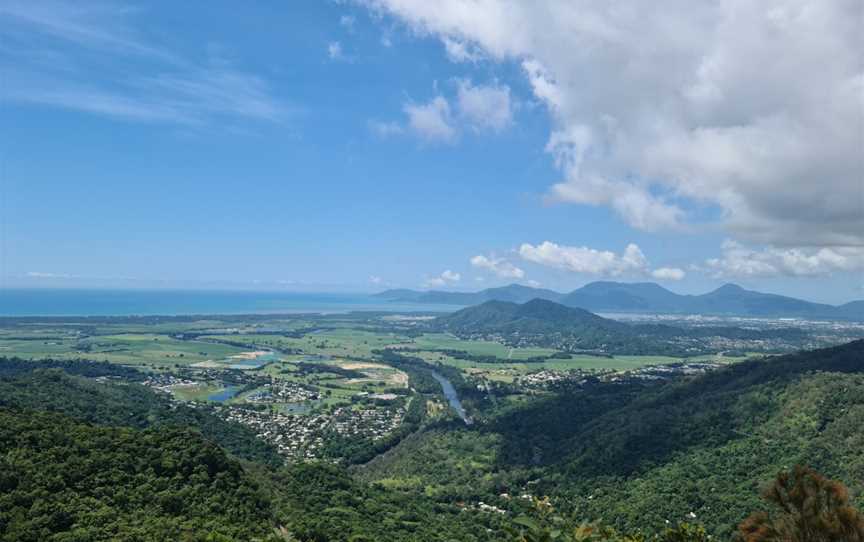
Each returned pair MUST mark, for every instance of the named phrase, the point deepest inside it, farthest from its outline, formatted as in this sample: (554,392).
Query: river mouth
(452,397)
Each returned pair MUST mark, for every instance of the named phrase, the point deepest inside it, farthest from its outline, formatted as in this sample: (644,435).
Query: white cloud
(450,276)
(586,260)
(347,21)
(432,121)
(533,283)
(476,107)
(44,275)
(739,261)
(334,50)
(752,110)
(385,129)
(498,266)
(485,107)
(446,278)
(103,39)
(460,51)
(601,263)
(376,280)
(668,273)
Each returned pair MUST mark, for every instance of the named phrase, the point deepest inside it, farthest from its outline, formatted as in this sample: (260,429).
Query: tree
(812,508)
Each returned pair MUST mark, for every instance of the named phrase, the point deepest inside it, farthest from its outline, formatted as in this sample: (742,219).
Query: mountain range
(541,322)
(644,297)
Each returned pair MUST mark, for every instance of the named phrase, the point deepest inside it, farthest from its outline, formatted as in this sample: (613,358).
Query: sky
(458,144)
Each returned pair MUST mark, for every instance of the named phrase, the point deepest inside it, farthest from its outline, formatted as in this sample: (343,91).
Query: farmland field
(336,360)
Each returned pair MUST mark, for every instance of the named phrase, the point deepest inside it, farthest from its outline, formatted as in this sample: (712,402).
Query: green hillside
(87,460)
(126,405)
(68,480)
(637,455)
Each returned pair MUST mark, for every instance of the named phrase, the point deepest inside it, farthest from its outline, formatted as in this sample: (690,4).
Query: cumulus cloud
(601,263)
(748,111)
(432,121)
(500,267)
(739,261)
(485,107)
(475,107)
(446,278)
(586,260)
(668,273)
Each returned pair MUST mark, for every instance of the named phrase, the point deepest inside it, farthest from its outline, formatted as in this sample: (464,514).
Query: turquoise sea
(69,302)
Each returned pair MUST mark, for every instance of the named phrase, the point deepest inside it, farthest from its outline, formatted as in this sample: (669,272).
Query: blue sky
(354,146)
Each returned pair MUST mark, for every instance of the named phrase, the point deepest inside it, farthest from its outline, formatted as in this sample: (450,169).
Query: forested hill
(535,316)
(113,404)
(540,322)
(639,455)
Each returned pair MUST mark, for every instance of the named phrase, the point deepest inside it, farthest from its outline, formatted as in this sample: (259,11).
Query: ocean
(80,302)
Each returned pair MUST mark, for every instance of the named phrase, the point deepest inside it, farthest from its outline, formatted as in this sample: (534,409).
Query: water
(224,394)
(69,302)
(452,398)
(256,363)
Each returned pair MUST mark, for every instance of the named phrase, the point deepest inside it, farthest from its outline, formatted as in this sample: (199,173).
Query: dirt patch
(249,355)
(362,365)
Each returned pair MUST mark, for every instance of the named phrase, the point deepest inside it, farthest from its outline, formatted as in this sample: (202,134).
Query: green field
(330,342)
(136,349)
(346,344)
(196,393)
(442,341)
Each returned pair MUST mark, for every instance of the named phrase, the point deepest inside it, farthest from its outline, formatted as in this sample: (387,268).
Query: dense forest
(86,457)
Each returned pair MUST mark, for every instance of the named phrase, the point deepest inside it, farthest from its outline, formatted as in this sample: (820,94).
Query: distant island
(644,297)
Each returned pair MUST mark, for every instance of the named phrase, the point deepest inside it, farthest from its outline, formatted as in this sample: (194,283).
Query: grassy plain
(443,341)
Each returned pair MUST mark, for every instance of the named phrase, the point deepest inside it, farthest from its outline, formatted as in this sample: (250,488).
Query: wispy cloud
(94,25)
(90,48)
(385,129)
(44,275)
(334,50)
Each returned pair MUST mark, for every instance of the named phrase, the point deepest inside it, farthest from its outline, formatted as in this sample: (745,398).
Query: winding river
(452,398)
